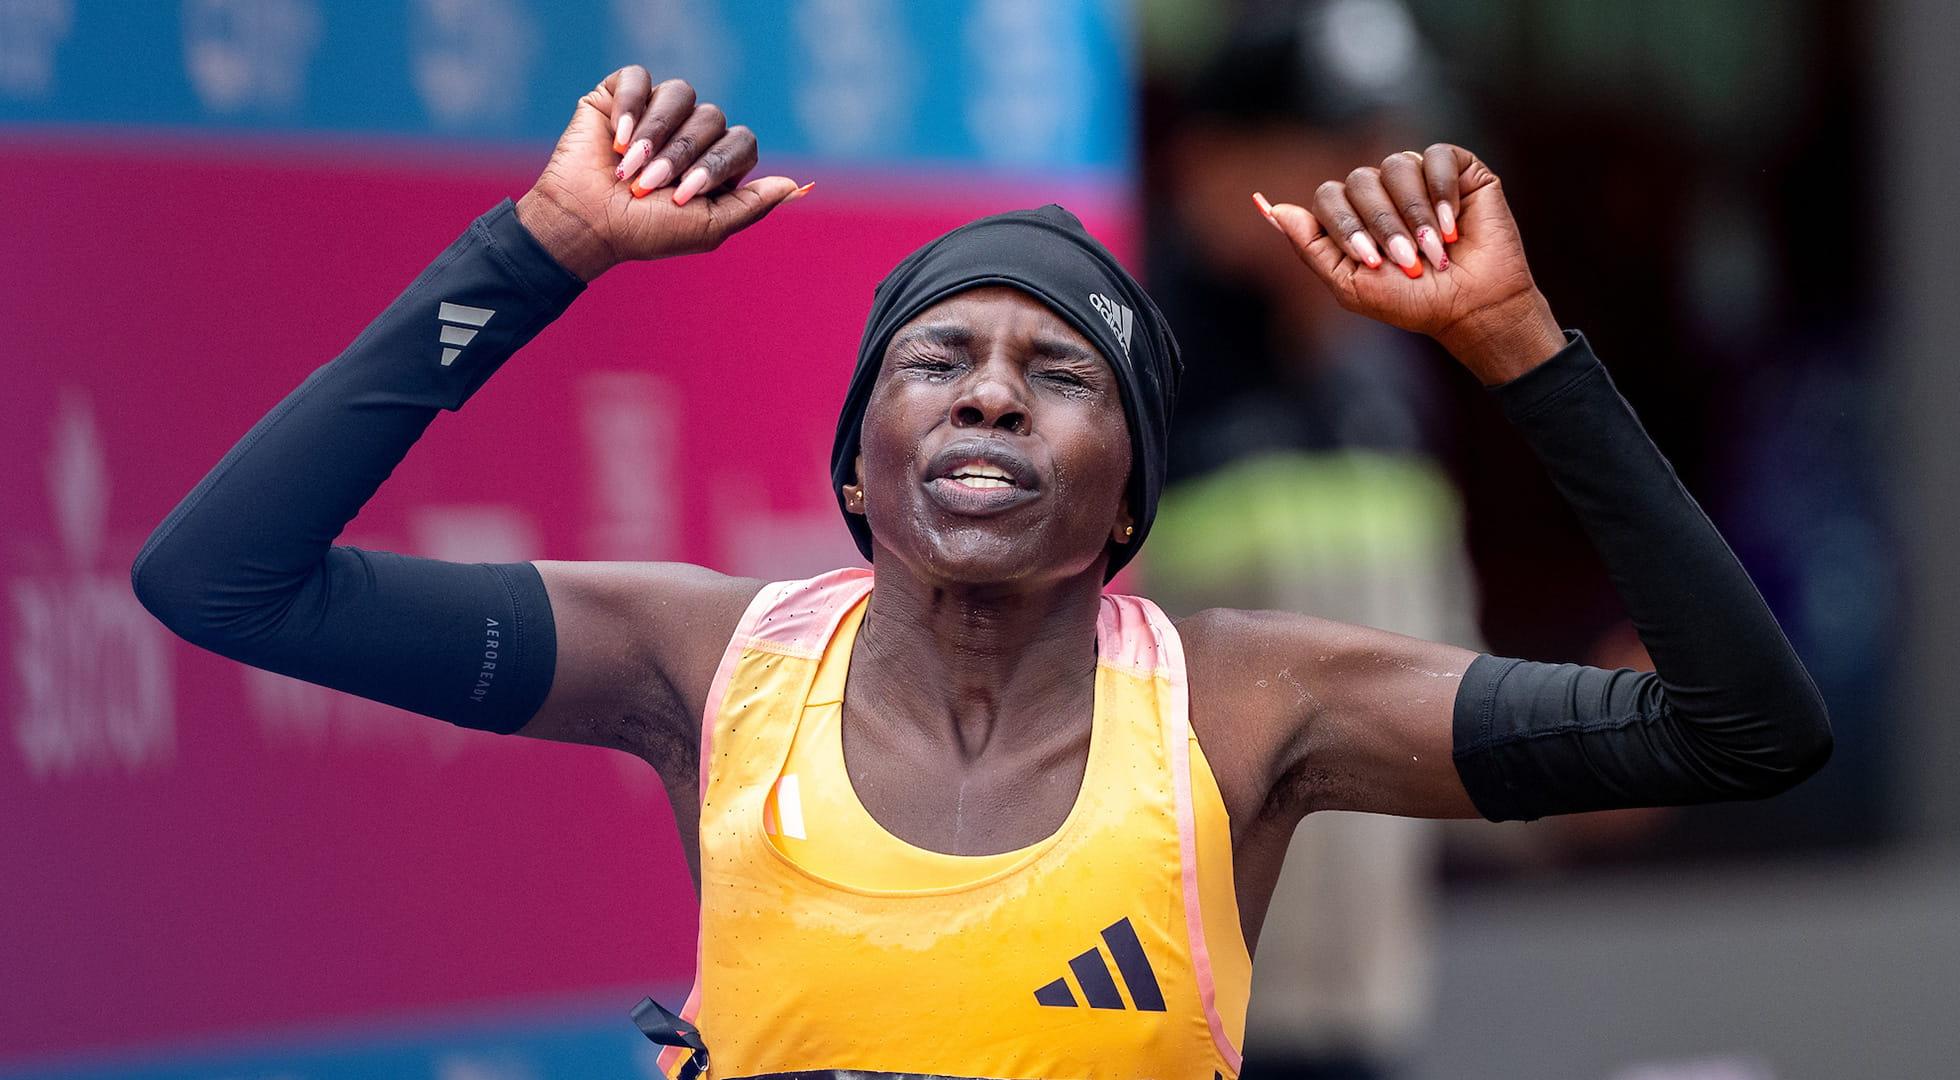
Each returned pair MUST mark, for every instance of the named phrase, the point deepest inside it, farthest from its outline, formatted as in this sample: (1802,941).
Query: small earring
(1128,530)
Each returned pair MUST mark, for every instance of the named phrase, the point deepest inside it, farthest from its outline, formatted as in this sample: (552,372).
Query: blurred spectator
(1311,448)
(1306,466)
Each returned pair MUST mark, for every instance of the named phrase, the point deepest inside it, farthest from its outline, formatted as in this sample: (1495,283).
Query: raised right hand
(643,172)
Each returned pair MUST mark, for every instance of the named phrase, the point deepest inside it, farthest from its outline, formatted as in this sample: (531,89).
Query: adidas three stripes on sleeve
(245,565)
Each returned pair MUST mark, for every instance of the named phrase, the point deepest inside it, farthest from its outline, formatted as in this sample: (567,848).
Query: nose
(992,400)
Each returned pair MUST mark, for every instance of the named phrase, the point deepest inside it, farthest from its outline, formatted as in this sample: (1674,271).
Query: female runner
(964,814)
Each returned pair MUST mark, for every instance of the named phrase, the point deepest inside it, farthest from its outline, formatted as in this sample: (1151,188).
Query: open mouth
(979,478)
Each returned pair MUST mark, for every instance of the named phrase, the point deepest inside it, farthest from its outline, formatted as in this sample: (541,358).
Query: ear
(1125,527)
(854,491)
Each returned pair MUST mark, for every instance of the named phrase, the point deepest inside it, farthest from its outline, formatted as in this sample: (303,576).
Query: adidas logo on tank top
(1093,975)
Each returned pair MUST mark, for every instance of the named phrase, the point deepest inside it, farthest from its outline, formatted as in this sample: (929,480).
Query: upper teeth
(981,475)
(982,470)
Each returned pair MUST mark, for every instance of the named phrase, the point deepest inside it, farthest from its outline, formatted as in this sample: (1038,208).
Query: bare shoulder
(638,645)
(1236,641)
(1257,680)
(1300,707)
(1237,638)
(1261,664)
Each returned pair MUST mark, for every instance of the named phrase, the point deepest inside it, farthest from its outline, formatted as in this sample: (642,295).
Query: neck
(979,669)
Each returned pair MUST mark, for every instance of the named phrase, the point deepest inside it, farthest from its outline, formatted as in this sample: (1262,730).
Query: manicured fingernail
(1432,246)
(1266,208)
(655,175)
(1446,217)
(799,192)
(1363,247)
(1403,254)
(691,185)
(619,132)
(634,158)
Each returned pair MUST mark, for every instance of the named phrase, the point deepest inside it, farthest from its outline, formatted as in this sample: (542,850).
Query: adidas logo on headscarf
(1119,318)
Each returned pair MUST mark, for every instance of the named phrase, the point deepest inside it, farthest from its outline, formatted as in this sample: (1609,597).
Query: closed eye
(933,368)
(1069,367)
(1071,380)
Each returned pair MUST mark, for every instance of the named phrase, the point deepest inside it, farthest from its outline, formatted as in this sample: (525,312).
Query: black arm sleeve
(245,565)
(1729,713)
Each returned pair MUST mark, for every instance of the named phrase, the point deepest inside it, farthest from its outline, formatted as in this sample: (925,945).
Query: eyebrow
(1065,350)
(956,336)
(951,335)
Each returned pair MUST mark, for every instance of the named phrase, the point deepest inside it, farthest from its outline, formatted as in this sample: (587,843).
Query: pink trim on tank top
(804,616)
(738,642)
(1126,640)
(1169,650)
(756,625)
(794,617)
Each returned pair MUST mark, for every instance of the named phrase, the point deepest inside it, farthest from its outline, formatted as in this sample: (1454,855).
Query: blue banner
(997,86)
(565,1049)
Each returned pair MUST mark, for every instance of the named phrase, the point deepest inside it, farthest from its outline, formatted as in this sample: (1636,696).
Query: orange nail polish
(653,176)
(1266,208)
(799,192)
(640,192)
(1403,254)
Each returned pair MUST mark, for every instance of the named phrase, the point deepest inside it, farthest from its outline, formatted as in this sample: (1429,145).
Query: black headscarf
(1047,254)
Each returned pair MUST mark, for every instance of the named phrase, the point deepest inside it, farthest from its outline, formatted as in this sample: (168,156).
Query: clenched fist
(644,172)
(1368,238)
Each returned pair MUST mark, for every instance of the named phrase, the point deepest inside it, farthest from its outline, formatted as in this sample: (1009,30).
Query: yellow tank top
(1110,948)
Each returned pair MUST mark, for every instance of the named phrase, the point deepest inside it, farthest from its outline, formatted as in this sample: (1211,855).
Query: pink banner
(193,849)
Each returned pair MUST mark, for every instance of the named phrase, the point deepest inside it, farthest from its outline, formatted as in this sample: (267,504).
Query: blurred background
(210,871)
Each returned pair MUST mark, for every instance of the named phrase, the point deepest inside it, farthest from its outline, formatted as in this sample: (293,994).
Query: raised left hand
(1426,242)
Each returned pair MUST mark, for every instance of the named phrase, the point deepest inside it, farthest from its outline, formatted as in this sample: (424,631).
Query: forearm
(1730,712)
(245,566)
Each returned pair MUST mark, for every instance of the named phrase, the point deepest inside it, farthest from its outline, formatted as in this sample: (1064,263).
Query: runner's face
(994,448)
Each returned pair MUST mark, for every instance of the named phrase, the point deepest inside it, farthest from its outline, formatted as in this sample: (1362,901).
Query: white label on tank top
(789,806)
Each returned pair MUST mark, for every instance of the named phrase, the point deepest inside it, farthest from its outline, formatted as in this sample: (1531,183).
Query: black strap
(666,1029)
